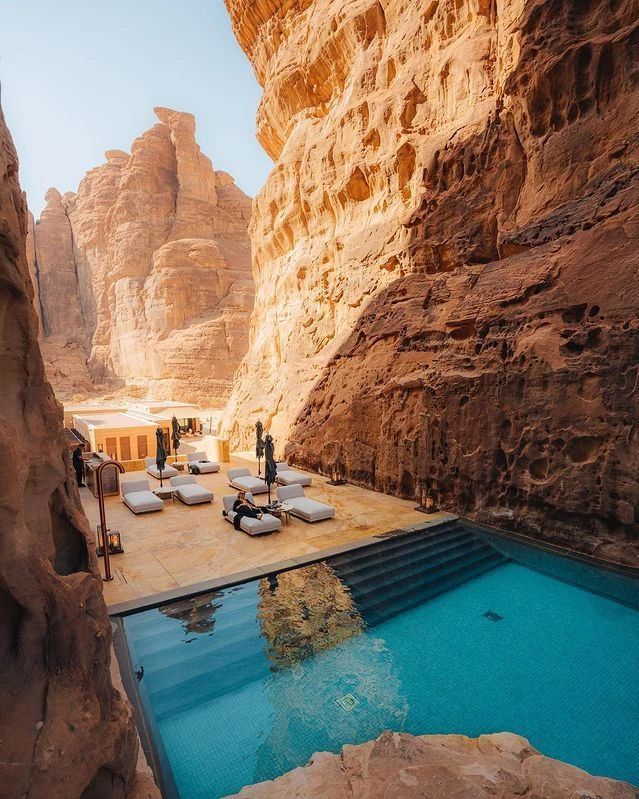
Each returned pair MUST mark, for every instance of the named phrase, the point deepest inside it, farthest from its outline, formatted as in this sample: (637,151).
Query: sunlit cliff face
(446,286)
(144,275)
(357,103)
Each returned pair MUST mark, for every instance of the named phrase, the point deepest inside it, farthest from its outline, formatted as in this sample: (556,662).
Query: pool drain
(490,614)
(347,702)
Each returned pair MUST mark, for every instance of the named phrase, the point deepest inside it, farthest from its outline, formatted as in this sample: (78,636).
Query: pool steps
(384,579)
(420,567)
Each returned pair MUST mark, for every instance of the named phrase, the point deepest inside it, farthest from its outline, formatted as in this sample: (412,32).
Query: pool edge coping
(624,569)
(150,601)
(129,606)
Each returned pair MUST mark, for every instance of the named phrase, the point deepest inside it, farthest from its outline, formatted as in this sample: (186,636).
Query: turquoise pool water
(246,683)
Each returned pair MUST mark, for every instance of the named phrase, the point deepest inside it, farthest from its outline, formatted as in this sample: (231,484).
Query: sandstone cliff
(65,732)
(446,254)
(144,275)
(438,767)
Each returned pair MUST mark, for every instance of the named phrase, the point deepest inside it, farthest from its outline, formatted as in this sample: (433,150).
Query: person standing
(78,465)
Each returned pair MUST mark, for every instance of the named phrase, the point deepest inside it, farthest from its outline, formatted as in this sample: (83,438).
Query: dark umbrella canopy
(160,451)
(259,443)
(175,433)
(270,467)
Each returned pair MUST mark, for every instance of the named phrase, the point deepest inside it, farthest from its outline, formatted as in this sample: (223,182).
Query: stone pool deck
(181,546)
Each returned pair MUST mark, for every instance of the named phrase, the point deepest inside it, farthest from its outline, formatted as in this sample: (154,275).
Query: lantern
(336,475)
(427,502)
(114,541)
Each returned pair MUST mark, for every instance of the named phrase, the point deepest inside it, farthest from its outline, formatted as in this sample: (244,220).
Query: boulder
(402,766)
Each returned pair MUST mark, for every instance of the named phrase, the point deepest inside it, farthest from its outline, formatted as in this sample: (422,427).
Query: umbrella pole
(160,478)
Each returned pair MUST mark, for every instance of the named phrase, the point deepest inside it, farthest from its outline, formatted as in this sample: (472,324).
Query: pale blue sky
(82,76)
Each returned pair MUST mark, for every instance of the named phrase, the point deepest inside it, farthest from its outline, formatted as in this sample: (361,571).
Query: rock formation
(144,275)
(446,254)
(65,732)
(436,766)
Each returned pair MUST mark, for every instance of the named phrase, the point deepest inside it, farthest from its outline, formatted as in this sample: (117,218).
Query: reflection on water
(310,621)
(286,666)
(196,614)
(303,612)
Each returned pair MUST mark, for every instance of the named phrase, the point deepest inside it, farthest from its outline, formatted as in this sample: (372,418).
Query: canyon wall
(445,254)
(65,732)
(144,275)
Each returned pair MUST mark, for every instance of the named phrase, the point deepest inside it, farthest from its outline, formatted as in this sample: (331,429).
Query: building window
(111,446)
(143,447)
(125,448)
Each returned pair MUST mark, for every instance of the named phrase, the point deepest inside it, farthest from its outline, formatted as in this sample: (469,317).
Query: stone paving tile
(182,545)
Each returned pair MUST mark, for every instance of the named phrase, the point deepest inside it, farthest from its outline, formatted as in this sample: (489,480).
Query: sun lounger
(267,524)
(153,470)
(138,497)
(243,481)
(189,491)
(198,464)
(304,508)
(288,477)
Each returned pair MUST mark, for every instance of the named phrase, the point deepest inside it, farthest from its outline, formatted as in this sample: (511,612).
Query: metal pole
(103,525)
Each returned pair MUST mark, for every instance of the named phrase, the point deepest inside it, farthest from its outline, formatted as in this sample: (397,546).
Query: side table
(286,511)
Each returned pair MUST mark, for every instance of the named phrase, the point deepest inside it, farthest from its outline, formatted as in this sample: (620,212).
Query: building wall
(123,443)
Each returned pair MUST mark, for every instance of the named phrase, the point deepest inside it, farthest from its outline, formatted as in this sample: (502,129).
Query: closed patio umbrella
(160,452)
(175,434)
(270,469)
(259,445)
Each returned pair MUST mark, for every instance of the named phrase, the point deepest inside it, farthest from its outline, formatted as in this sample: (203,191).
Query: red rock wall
(446,254)
(64,730)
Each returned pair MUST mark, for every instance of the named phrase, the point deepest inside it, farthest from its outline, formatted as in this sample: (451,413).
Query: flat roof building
(84,410)
(165,407)
(122,436)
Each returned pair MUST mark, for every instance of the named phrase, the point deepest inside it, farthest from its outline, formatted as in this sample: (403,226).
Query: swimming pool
(444,630)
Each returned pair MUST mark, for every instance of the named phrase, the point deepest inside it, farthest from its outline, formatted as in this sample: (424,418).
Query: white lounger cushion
(308,509)
(189,491)
(153,470)
(138,497)
(288,477)
(199,459)
(267,524)
(243,481)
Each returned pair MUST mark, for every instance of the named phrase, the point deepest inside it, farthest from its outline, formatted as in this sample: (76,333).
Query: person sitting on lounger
(243,507)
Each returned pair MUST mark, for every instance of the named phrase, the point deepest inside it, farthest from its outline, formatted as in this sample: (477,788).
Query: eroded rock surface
(144,275)
(65,732)
(436,767)
(446,254)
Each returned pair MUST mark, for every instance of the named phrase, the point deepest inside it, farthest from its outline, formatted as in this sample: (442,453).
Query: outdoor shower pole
(103,527)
